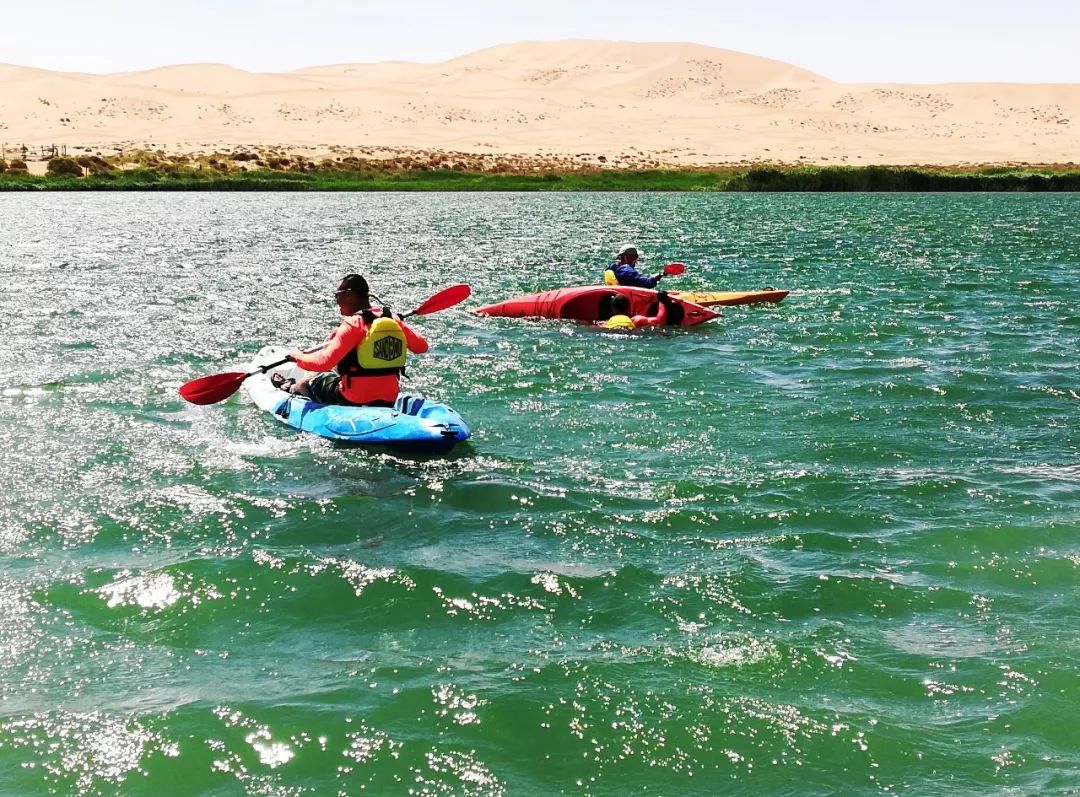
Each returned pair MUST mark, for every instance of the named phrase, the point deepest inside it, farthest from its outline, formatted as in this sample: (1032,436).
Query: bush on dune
(64,167)
(94,164)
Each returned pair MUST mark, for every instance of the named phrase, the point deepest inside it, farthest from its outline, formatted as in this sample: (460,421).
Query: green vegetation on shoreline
(222,174)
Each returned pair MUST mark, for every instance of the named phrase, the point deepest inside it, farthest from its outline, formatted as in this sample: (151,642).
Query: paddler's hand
(265,368)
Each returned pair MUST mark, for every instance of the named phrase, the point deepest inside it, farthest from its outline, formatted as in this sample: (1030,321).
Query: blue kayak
(414,423)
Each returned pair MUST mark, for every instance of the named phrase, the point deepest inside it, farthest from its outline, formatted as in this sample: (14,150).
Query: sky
(851,41)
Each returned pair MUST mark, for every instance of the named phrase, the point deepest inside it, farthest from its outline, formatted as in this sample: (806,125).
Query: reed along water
(830,546)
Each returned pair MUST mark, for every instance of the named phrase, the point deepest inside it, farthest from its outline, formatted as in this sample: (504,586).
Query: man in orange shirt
(362,360)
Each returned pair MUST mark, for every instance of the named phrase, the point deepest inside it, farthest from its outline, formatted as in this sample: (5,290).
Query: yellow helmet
(619,322)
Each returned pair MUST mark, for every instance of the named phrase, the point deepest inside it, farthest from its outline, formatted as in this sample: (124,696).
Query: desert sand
(591,103)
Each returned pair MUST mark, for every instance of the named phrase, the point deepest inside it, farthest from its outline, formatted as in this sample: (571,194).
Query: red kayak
(592,303)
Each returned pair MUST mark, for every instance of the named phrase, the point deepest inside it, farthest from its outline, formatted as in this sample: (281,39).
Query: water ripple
(830,542)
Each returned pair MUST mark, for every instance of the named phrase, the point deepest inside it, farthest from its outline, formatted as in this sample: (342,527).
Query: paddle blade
(447,297)
(674,269)
(213,388)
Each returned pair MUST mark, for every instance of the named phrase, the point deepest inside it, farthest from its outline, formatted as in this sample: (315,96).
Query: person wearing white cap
(622,271)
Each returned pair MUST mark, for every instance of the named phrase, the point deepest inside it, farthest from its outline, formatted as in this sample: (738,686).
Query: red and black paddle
(218,387)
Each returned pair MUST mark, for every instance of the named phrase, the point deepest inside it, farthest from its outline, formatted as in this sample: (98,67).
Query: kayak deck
(730,298)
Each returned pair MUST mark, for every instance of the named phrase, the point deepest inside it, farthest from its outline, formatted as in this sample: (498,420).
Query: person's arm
(657,320)
(628,275)
(416,342)
(347,336)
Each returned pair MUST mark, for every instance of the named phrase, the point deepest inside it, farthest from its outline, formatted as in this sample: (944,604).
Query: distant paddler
(623,271)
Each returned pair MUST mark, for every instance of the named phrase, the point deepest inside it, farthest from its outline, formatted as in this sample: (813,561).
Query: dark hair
(355,283)
(620,304)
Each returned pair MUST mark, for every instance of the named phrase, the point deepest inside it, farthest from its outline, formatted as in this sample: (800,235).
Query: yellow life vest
(609,278)
(383,348)
(619,322)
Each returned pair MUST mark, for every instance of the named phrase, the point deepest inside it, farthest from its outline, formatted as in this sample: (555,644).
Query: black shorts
(326,388)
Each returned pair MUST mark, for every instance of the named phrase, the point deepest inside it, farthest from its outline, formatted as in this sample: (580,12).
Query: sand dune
(589,101)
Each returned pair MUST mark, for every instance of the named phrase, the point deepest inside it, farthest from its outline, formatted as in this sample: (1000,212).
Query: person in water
(622,320)
(622,270)
(362,360)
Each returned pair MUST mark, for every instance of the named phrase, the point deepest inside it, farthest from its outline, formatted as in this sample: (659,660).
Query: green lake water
(830,546)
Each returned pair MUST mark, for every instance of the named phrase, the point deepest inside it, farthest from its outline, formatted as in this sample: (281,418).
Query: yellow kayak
(729,298)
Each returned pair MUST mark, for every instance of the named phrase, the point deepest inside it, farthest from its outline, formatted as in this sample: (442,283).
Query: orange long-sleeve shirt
(657,320)
(348,335)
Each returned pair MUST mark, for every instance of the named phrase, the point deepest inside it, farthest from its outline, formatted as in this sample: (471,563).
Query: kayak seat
(409,405)
(675,312)
(604,310)
(588,307)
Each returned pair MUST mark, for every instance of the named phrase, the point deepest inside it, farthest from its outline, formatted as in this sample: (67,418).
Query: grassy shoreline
(98,175)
